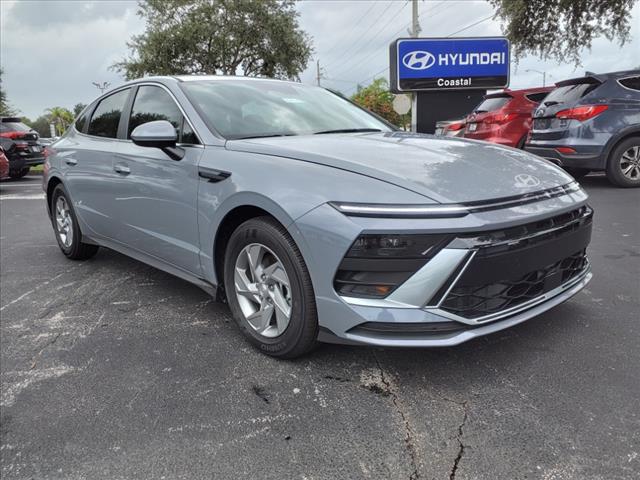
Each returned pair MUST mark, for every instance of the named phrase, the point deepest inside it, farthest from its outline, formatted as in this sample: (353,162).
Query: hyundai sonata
(314,219)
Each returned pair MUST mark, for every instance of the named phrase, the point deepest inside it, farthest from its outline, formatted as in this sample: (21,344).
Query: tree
(218,37)
(77,109)
(6,110)
(560,29)
(377,98)
(61,118)
(40,125)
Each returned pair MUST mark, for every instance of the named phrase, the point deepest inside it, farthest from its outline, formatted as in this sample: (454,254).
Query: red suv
(505,117)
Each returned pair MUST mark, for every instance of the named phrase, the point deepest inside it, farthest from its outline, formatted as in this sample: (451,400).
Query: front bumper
(410,316)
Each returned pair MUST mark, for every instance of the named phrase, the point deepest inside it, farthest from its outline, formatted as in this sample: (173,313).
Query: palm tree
(60,117)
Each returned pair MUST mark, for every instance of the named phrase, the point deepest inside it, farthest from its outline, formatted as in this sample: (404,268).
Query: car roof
(200,78)
(590,77)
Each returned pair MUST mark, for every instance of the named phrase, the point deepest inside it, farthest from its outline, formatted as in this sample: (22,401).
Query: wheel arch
(624,134)
(52,183)
(237,211)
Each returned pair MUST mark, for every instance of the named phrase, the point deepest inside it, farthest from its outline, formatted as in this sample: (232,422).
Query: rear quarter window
(632,83)
(536,97)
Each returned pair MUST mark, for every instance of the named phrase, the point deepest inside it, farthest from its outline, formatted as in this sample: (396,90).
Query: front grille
(474,301)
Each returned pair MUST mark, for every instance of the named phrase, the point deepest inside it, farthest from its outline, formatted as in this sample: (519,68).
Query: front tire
(66,228)
(623,166)
(269,289)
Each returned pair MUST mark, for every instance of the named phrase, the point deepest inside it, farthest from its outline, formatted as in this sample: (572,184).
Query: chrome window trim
(141,84)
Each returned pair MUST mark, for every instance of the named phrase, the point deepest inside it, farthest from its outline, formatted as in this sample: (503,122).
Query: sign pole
(415,31)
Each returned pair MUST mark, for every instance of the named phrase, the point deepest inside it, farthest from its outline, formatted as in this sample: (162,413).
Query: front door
(156,197)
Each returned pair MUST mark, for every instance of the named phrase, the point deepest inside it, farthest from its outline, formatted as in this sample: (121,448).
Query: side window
(106,117)
(153,103)
(536,97)
(632,82)
(81,122)
(188,135)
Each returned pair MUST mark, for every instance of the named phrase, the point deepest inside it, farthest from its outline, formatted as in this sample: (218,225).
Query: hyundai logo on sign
(451,63)
(418,60)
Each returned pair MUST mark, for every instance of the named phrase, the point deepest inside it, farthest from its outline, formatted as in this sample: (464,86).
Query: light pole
(544,75)
(101,86)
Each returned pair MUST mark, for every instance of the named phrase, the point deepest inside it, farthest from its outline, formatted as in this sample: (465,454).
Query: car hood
(445,169)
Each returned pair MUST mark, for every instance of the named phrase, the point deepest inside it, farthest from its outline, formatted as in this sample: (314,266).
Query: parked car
(25,152)
(450,128)
(314,219)
(4,164)
(505,117)
(592,123)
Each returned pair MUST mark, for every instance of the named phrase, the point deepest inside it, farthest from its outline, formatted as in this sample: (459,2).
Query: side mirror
(158,134)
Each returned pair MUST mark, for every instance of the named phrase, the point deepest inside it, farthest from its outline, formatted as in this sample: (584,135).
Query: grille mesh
(474,301)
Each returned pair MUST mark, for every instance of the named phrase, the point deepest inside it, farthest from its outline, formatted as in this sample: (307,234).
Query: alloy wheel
(263,290)
(630,163)
(64,222)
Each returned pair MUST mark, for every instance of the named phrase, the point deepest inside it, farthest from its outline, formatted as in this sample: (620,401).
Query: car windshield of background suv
(245,109)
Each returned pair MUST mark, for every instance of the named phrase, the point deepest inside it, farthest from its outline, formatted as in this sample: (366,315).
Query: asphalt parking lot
(111,369)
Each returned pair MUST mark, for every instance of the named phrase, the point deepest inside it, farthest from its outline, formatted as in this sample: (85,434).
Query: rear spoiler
(11,119)
(591,79)
(504,94)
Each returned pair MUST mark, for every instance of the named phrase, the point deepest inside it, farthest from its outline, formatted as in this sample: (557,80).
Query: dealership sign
(449,63)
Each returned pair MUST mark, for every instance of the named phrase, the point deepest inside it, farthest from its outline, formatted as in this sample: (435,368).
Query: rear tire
(623,165)
(577,173)
(252,288)
(16,174)
(66,228)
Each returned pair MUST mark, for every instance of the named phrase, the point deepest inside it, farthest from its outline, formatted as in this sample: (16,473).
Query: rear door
(87,163)
(155,196)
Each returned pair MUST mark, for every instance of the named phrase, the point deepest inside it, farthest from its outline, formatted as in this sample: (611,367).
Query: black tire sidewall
(75,244)
(257,231)
(614,174)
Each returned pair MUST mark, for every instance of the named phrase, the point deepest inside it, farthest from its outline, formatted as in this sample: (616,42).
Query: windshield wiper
(268,135)
(349,130)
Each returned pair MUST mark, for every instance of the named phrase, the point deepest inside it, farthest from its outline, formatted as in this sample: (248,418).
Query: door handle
(122,169)
(71,161)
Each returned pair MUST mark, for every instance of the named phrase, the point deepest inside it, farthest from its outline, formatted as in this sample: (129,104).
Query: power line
(450,35)
(373,4)
(339,59)
(352,66)
(403,28)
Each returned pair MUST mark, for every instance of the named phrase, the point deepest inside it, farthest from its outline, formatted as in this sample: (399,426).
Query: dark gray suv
(592,123)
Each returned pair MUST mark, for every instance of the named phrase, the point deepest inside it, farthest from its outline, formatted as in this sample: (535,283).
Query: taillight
(500,118)
(582,113)
(11,135)
(455,127)
(566,150)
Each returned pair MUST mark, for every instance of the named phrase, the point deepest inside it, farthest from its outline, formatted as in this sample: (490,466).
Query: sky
(51,51)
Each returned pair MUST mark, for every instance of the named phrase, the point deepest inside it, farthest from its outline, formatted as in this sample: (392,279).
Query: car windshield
(262,108)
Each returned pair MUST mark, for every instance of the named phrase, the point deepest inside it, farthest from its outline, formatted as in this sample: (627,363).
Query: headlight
(402,211)
(376,264)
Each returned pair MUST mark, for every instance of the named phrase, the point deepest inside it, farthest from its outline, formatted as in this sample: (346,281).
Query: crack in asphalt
(461,446)
(409,435)
(46,345)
